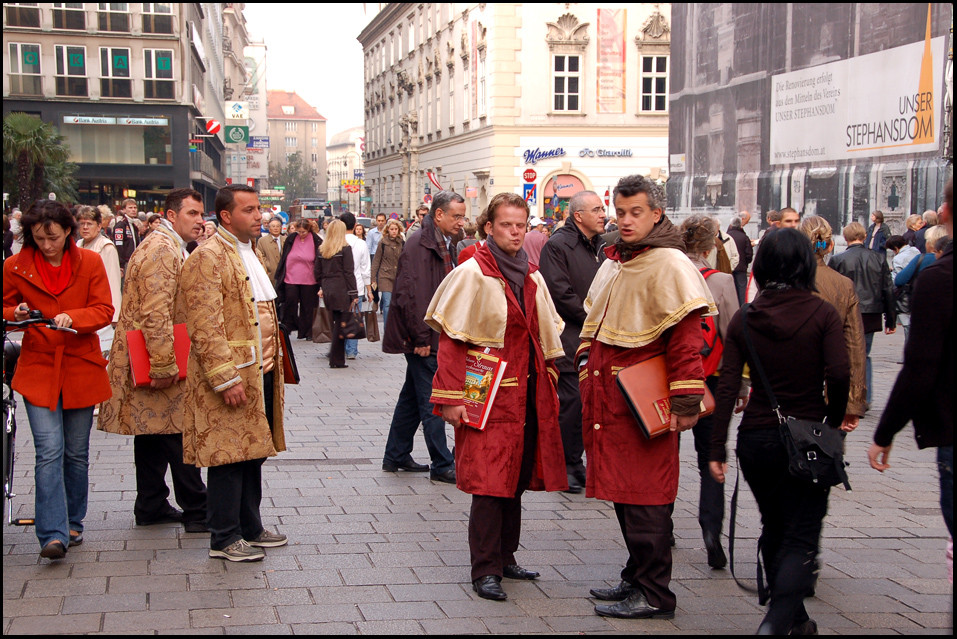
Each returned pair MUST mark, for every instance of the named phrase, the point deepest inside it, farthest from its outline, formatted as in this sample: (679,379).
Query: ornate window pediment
(567,33)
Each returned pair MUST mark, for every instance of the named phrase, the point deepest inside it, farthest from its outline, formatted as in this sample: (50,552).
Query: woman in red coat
(61,376)
(646,300)
(498,303)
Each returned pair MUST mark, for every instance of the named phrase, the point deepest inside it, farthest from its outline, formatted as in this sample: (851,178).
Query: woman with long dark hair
(61,376)
(798,338)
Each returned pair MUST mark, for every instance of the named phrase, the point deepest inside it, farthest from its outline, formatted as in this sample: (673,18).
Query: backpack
(722,260)
(713,347)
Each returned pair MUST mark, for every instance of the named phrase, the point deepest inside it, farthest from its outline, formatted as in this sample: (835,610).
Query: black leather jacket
(569,263)
(872,280)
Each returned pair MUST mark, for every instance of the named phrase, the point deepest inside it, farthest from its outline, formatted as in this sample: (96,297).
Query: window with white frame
(157,17)
(25,76)
(482,95)
(566,83)
(291,126)
(115,73)
(113,16)
(654,83)
(71,71)
(451,101)
(158,84)
(22,14)
(290,141)
(69,15)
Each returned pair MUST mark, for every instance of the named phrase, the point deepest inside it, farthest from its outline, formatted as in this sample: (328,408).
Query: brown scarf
(514,269)
(664,234)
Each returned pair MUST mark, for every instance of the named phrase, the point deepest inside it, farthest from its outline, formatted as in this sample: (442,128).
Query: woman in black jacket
(799,340)
(335,273)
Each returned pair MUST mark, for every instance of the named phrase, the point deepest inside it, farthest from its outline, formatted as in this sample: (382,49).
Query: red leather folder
(140,358)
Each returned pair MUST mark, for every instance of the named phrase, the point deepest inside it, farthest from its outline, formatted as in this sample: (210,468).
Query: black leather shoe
(195,527)
(171,516)
(488,587)
(574,486)
(410,466)
(447,477)
(716,557)
(808,627)
(619,593)
(634,607)
(514,571)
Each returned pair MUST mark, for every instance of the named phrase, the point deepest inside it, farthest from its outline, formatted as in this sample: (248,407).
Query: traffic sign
(530,193)
(213,126)
(530,175)
(427,199)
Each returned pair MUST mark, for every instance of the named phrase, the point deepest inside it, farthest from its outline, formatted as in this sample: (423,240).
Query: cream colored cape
(634,302)
(471,307)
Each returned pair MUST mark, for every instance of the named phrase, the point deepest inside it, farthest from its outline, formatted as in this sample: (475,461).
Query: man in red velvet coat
(499,303)
(646,300)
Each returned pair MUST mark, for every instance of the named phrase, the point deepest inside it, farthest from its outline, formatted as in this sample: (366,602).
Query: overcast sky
(312,49)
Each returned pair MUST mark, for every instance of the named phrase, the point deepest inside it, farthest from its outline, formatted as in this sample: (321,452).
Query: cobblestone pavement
(373,552)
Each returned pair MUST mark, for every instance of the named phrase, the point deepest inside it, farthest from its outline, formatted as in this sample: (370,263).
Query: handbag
(815,449)
(351,326)
(372,325)
(290,372)
(322,326)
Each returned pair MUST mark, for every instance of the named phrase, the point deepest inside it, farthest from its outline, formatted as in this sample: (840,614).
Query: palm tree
(34,151)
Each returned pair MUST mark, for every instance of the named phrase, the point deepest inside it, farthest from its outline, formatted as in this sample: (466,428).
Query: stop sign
(530,175)
(213,126)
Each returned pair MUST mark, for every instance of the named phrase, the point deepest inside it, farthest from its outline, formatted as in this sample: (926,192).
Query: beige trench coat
(150,304)
(223,324)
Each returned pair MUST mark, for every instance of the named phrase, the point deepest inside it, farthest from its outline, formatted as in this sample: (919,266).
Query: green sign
(237,134)
(365,199)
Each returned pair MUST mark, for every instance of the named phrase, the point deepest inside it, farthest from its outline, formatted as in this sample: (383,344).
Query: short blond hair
(854,232)
(933,237)
(912,221)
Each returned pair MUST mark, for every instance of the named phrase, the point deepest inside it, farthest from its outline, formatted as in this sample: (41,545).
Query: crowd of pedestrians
(568,308)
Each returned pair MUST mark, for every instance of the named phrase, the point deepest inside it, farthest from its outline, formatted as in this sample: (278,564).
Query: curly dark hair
(632,185)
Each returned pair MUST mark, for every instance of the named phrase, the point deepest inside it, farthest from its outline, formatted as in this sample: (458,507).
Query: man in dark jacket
(924,390)
(126,235)
(873,285)
(745,253)
(428,256)
(568,263)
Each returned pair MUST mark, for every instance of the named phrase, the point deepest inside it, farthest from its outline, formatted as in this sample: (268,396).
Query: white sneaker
(238,551)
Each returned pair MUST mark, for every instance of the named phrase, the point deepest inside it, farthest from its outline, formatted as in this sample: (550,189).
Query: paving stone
(55,625)
(153,621)
(248,615)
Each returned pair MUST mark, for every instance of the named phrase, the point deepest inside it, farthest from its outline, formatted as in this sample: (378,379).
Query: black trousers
(298,308)
(337,349)
(570,422)
(235,493)
(711,493)
(152,455)
(740,285)
(647,534)
(792,514)
(495,523)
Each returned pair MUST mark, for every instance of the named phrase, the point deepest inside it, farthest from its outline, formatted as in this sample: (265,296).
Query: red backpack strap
(708,272)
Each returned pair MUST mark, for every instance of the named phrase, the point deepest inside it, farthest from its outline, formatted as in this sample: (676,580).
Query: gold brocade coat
(149,304)
(227,348)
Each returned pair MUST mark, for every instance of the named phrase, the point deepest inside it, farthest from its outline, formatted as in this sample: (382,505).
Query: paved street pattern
(375,552)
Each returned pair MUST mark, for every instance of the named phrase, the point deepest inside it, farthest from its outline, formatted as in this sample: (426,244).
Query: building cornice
(385,19)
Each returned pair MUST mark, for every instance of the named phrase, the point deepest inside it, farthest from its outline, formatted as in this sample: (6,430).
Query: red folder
(140,358)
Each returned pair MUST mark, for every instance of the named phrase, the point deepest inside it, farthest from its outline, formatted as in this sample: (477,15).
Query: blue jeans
(413,407)
(868,342)
(945,464)
(61,439)
(352,345)
(385,299)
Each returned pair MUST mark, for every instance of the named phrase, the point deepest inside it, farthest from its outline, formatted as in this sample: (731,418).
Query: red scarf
(55,278)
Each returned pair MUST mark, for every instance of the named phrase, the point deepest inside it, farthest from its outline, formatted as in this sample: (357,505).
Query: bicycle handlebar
(42,322)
